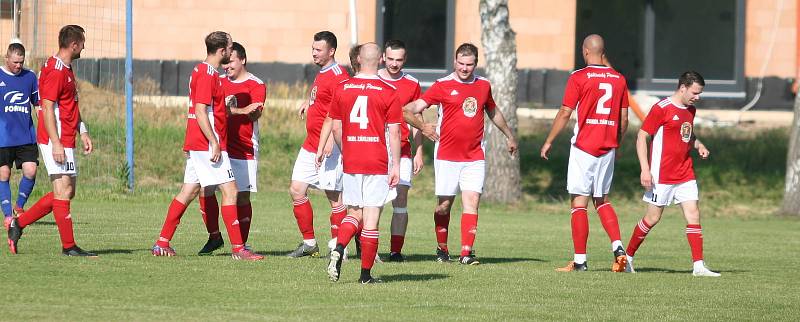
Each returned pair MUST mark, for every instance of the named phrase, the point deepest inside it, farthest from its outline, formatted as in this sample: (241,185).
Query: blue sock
(5,198)
(25,189)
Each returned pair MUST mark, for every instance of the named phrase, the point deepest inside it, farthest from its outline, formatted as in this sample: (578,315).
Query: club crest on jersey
(470,106)
(313,94)
(686,132)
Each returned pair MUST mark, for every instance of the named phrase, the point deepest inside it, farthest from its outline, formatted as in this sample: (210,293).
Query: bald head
(593,49)
(369,57)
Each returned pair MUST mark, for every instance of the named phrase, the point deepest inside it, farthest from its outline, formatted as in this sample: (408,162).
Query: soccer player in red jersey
(669,176)
(305,172)
(362,108)
(600,96)
(59,119)
(458,156)
(408,90)
(207,162)
(244,95)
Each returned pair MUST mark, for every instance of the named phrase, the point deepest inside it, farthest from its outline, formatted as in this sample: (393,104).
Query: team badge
(686,132)
(313,94)
(470,106)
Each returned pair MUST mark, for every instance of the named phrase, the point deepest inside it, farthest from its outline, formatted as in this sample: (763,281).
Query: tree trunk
(791,194)
(500,49)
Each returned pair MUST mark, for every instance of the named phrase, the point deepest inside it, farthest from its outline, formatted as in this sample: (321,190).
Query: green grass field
(519,245)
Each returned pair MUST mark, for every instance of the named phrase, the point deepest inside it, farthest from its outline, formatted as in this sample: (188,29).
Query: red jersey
(408,90)
(205,87)
(671,126)
(57,84)
(599,93)
(320,100)
(365,105)
(243,132)
(460,124)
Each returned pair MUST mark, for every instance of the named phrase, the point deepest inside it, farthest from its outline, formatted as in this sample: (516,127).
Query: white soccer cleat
(629,265)
(702,270)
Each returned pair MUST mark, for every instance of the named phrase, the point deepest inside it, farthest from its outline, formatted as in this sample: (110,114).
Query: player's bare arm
(301,111)
(50,126)
(88,147)
(500,121)
(412,113)
(337,132)
(394,148)
(701,149)
(205,127)
(559,122)
(419,160)
(324,136)
(256,113)
(645,177)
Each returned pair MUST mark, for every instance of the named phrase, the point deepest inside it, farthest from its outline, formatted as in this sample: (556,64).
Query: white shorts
(366,190)
(69,166)
(666,194)
(244,171)
(327,177)
(452,176)
(200,169)
(406,171)
(588,175)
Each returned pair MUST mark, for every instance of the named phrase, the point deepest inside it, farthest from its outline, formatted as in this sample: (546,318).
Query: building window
(426,26)
(6,9)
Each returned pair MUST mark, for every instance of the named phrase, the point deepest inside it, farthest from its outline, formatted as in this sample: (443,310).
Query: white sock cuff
(400,210)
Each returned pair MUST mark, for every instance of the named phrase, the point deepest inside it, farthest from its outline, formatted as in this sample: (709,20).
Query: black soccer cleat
(14,234)
(574,267)
(211,245)
(366,277)
(469,259)
(335,263)
(442,255)
(77,251)
(396,257)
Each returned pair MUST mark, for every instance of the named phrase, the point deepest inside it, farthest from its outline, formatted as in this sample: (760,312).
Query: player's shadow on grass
(118,251)
(413,277)
(681,271)
(483,260)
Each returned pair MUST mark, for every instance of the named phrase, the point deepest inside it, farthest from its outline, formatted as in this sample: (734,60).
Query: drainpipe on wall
(796,46)
(354,24)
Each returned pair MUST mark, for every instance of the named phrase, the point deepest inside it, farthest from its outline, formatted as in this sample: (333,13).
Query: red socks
(64,222)
(469,227)
(174,214)
(337,214)
(347,230)
(209,208)
(305,217)
(580,229)
(42,207)
(637,238)
(694,233)
(231,219)
(245,214)
(397,243)
(369,247)
(441,223)
(609,220)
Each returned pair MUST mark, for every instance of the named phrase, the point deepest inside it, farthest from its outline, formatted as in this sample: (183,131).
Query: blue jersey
(20,93)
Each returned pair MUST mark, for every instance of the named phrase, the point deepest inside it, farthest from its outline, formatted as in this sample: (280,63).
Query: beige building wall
(760,23)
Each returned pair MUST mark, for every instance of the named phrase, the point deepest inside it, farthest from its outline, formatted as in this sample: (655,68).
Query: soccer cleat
(211,245)
(335,265)
(246,255)
(442,255)
(304,250)
(704,271)
(76,251)
(14,233)
(469,259)
(369,280)
(18,211)
(620,260)
(396,257)
(7,221)
(574,267)
(162,251)
(629,265)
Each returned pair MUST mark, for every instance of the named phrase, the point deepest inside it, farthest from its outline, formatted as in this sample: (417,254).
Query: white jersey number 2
(601,103)
(359,113)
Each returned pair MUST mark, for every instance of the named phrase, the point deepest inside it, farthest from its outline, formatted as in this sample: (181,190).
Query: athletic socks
(441,223)
(209,209)
(231,219)
(305,217)
(337,214)
(25,189)
(396,245)
(694,234)
(245,213)
(580,232)
(347,230)
(174,214)
(61,212)
(5,198)
(40,209)
(369,247)
(637,238)
(398,229)
(469,227)
(608,217)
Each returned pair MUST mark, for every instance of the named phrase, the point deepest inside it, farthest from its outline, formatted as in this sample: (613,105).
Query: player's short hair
(467,49)
(690,77)
(216,40)
(394,44)
(354,58)
(69,34)
(16,49)
(240,52)
(328,37)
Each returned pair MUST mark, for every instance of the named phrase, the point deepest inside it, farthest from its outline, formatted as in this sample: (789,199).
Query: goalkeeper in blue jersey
(19,92)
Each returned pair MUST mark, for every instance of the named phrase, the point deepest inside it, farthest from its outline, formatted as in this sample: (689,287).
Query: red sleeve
(571,93)
(334,110)
(205,87)
(417,93)
(433,95)
(625,103)
(394,114)
(653,120)
(51,86)
(258,94)
(490,105)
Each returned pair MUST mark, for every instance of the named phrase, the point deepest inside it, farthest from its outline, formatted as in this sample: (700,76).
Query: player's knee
(5,173)
(296,192)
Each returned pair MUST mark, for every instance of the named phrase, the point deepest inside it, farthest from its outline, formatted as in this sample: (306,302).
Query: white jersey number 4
(601,103)
(359,113)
